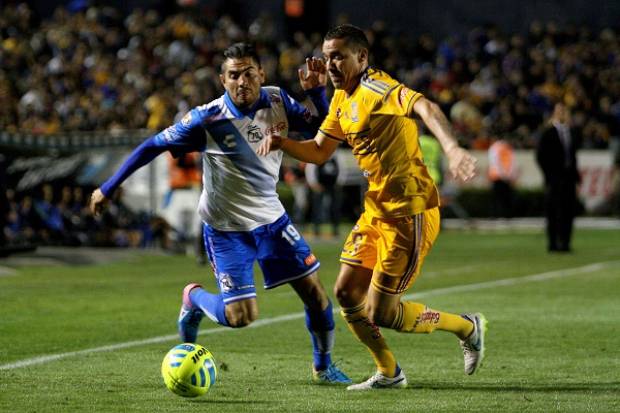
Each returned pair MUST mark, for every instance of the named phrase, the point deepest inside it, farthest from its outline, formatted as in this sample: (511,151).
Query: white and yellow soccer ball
(189,370)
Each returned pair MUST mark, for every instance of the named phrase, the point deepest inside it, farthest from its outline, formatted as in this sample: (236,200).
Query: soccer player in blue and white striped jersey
(244,220)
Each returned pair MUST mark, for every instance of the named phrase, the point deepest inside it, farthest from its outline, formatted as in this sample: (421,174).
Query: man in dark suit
(556,156)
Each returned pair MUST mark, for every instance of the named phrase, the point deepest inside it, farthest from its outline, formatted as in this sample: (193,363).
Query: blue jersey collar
(263,102)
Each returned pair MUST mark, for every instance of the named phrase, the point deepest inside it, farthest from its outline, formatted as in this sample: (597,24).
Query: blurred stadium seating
(85,77)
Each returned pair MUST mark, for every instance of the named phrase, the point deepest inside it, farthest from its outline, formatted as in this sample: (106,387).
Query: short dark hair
(353,36)
(239,51)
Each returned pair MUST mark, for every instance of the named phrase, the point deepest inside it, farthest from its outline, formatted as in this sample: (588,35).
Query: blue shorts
(282,253)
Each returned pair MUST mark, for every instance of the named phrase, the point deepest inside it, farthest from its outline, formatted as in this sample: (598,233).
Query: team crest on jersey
(226,283)
(254,134)
(275,98)
(187,119)
(338,113)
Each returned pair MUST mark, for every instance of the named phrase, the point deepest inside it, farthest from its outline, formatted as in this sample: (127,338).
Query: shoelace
(375,378)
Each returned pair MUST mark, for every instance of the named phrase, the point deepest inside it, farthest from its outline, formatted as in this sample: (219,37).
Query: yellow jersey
(375,120)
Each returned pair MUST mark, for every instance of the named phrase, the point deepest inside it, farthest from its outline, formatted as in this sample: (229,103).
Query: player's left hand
(270,143)
(461,163)
(315,74)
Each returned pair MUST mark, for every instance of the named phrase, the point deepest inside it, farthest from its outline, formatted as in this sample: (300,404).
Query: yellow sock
(417,318)
(370,335)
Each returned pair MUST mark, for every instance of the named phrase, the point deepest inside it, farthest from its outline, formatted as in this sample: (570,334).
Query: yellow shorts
(394,249)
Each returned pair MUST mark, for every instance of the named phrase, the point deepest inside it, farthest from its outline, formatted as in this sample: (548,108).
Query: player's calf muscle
(311,292)
(241,313)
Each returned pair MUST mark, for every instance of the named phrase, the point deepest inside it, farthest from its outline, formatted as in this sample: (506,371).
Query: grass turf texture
(553,345)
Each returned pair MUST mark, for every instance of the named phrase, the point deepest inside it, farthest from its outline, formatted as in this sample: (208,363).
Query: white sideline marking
(6,271)
(287,317)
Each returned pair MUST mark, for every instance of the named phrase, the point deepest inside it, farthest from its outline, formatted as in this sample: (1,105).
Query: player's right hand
(270,143)
(98,202)
(315,74)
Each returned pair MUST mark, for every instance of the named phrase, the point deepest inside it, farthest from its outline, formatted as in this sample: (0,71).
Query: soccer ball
(189,370)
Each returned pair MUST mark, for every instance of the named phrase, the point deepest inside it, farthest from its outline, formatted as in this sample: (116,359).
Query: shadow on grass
(602,387)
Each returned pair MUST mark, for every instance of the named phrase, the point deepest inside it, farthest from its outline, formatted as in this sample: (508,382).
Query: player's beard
(245,96)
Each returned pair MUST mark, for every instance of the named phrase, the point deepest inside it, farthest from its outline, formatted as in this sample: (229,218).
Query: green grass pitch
(553,343)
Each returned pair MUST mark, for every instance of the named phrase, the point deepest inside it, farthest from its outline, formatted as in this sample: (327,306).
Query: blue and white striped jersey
(239,187)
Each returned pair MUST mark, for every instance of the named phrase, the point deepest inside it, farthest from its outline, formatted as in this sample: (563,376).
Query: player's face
(344,64)
(242,79)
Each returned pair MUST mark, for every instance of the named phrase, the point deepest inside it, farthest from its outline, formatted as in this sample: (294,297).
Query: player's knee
(346,296)
(342,296)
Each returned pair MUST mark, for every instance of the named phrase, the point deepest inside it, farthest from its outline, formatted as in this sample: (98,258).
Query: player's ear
(362,55)
(223,72)
(261,74)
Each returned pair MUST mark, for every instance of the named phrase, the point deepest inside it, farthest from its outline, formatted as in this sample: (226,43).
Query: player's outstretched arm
(142,155)
(461,163)
(317,150)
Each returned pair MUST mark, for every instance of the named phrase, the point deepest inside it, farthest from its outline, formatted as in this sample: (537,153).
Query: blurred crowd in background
(98,69)
(43,218)
(94,68)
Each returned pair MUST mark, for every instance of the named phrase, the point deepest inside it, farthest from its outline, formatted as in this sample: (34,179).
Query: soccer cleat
(331,375)
(189,317)
(473,346)
(379,381)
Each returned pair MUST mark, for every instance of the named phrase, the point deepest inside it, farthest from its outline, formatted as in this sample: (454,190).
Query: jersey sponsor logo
(274,129)
(310,259)
(254,134)
(170,134)
(187,119)
(428,316)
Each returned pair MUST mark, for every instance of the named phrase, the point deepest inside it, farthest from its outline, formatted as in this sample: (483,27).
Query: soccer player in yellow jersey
(384,252)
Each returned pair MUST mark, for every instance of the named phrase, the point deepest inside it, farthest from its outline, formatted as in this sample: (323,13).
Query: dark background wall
(438,17)
(445,17)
